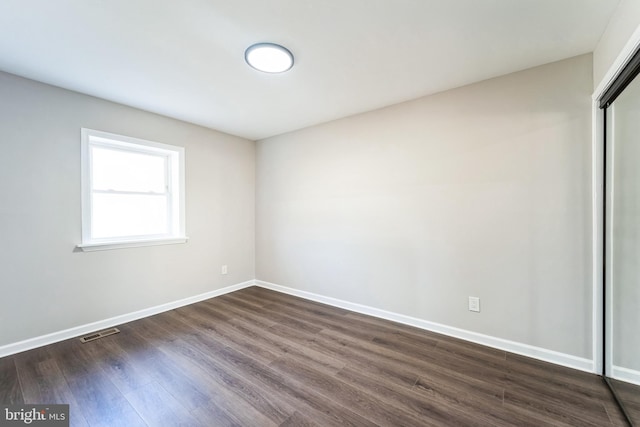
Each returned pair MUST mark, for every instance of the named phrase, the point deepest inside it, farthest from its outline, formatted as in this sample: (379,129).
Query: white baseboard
(502,344)
(626,374)
(539,353)
(54,337)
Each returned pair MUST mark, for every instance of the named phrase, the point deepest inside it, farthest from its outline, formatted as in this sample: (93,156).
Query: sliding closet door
(622,251)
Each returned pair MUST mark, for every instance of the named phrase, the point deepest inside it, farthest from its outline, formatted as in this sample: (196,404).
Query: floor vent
(100,334)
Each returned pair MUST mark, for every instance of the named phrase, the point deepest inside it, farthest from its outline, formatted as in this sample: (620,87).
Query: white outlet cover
(223,270)
(474,304)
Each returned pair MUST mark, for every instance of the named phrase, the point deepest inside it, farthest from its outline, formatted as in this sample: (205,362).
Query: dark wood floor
(260,358)
(629,394)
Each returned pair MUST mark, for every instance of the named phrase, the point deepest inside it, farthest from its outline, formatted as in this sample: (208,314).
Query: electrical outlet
(474,304)
(223,270)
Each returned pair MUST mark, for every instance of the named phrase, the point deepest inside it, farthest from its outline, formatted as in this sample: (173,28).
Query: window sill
(105,246)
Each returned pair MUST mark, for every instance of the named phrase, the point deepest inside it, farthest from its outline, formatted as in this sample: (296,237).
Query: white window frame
(175,190)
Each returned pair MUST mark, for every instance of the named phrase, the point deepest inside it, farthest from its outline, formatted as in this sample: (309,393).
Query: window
(132,192)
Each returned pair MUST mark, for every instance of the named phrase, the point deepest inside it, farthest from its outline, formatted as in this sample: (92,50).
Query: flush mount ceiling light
(269,57)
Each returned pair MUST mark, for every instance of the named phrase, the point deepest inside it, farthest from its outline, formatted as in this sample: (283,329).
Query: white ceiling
(185,58)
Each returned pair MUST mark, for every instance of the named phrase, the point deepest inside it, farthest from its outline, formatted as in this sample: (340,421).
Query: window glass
(117,215)
(127,171)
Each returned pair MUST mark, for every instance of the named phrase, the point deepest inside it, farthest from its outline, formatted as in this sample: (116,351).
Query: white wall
(45,285)
(622,26)
(482,190)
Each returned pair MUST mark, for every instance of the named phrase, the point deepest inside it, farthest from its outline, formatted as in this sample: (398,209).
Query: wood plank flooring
(260,358)
(629,394)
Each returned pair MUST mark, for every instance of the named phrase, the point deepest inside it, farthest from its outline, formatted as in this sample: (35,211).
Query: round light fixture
(269,57)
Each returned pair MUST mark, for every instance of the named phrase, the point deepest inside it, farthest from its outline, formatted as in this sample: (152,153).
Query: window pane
(127,171)
(117,215)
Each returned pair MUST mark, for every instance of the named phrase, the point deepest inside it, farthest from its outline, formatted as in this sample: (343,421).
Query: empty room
(319,213)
